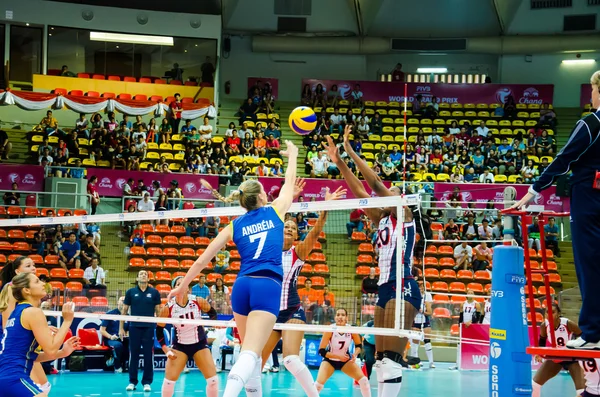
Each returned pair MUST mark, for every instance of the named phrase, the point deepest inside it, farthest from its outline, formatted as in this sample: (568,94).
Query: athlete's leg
(325,372)
(206,365)
(39,377)
(428,346)
(292,340)
(270,345)
(578,377)
(174,367)
(548,370)
(379,322)
(353,371)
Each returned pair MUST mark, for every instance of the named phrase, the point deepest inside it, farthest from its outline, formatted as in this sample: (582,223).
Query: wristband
(323,352)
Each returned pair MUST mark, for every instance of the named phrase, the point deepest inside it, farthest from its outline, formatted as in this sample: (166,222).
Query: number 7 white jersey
(339,344)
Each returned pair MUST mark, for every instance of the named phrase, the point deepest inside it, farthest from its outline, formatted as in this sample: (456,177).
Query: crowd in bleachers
(477,143)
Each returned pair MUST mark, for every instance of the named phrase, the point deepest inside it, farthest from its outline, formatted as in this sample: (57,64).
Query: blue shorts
(411,293)
(588,394)
(291,313)
(22,387)
(252,293)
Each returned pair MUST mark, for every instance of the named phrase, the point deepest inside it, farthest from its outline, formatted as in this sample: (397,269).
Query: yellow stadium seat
(426,175)
(217,140)
(444,113)
(103,163)
(369,104)
(343,110)
(519,131)
(378,146)
(494,131)
(387,138)
(426,122)
(506,131)
(174,167)
(273,116)
(535,159)
(89,162)
(439,122)
(469,106)
(504,123)
(388,129)
(344,102)
(34,148)
(374,138)
(489,123)
(394,104)
(471,113)
(400,129)
(261,116)
(176,138)
(275,160)
(482,106)
(534,115)
(84,152)
(413,121)
(152,155)
(318,109)
(72,160)
(399,138)
(167,155)
(394,112)
(441,177)
(483,113)
(391,146)
(144,165)
(427,130)
(500,178)
(459,113)
(37,138)
(549,158)
(152,146)
(368,146)
(382,112)
(444,105)
(521,106)
(369,156)
(369,112)
(83,142)
(381,104)
(387,120)
(417,177)
(399,120)
(53,139)
(533,106)
(494,105)
(356,110)
(179,156)
(513,178)
(413,130)
(412,139)
(408,112)
(531,123)
(550,132)
(249,124)
(165,146)
(179,147)
(456,106)
(523,115)
(518,123)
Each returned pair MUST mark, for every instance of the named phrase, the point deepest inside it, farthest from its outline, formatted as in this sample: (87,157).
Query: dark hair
(9,271)
(341,308)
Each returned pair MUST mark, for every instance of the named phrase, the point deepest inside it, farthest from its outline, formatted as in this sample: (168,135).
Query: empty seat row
(173,264)
(173,252)
(125,96)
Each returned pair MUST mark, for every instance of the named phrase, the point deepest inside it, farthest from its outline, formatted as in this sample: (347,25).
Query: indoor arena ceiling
(212,7)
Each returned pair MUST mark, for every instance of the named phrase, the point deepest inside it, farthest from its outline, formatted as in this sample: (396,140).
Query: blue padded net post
(510,365)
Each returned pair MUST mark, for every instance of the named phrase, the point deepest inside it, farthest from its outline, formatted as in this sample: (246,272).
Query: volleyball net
(340,269)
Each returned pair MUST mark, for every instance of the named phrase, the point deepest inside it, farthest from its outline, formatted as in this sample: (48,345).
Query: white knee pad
(46,387)
(318,386)
(377,368)
(390,369)
(293,364)
(254,386)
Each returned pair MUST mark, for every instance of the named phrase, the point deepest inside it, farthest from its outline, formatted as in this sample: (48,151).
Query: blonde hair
(595,79)
(5,296)
(247,195)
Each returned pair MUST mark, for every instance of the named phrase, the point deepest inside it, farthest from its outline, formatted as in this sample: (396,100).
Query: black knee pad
(397,357)
(426,340)
(379,356)
(395,380)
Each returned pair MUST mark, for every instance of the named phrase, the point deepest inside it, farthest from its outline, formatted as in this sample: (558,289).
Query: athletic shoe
(266,368)
(453,368)
(130,387)
(147,389)
(580,343)
(118,370)
(275,369)
(431,366)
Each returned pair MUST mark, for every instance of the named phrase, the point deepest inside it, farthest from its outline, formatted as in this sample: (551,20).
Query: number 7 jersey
(258,235)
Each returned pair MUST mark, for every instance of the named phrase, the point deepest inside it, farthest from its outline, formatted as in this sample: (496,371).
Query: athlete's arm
(370,176)
(574,328)
(357,345)
(69,347)
(164,312)
(33,319)
(222,238)
(207,308)
(355,185)
(543,335)
(304,248)
(428,309)
(286,195)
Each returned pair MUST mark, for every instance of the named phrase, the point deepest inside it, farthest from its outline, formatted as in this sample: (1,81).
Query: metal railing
(39,199)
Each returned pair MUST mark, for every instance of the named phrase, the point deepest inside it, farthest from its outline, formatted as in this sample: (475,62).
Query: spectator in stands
(211,226)
(166,130)
(484,232)
(138,239)
(357,219)
(398,74)
(510,107)
(486,176)
(333,96)
(551,236)
(483,256)
(273,147)
(69,252)
(260,143)
(490,211)
(49,125)
(469,229)
(320,97)
(46,159)
(312,300)
(492,162)
(205,130)
(220,297)
(262,169)
(349,118)
(506,163)
(145,204)
(201,289)
(12,197)
(39,242)
(498,230)
(336,120)
(357,97)
(369,284)
(176,110)
(451,231)
(277,170)
(363,128)
(89,250)
(94,276)
(547,116)
(463,255)
(110,332)
(248,111)
(268,103)
(529,172)
(222,260)
(208,71)
(328,305)
(187,127)
(93,192)
(534,235)
(65,72)
(318,166)
(544,144)
(482,130)
(143,301)
(376,125)
(307,96)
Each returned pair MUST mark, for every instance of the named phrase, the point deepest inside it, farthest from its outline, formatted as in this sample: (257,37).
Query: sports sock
(318,386)
(253,385)
(212,387)
(240,373)
(365,387)
(536,389)
(429,352)
(302,374)
(168,388)
(414,347)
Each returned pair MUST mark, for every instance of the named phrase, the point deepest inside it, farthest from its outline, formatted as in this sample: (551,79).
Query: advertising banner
(481,193)
(28,177)
(585,96)
(274,83)
(315,188)
(446,93)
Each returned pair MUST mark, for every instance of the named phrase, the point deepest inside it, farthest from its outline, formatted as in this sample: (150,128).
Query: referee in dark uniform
(581,155)
(143,301)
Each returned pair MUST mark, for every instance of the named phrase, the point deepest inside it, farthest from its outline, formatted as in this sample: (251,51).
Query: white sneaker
(147,389)
(266,368)
(431,366)
(119,371)
(580,343)
(130,387)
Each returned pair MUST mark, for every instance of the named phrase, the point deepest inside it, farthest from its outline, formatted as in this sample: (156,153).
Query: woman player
(21,265)
(334,350)
(27,329)
(422,324)
(291,311)
(189,342)
(390,349)
(487,312)
(258,235)
(564,329)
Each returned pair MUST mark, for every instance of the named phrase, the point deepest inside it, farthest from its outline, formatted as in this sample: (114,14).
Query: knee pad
(394,380)
(45,387)
(318,386)
(393,356)
(212,386)
(426,341)
(428,346)
(390,370)
(379,356)
(293,364)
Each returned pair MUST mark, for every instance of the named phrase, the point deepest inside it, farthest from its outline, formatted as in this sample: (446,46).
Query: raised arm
(355,185)
(286,196)
(222,238)
(35,320)
(304,248)
(370,176)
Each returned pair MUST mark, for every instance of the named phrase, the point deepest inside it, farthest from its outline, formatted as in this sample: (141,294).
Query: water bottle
(63,365)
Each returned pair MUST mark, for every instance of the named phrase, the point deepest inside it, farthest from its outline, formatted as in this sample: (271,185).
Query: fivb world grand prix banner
(446,93)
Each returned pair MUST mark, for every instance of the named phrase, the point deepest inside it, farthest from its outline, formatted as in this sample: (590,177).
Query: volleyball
(303,120)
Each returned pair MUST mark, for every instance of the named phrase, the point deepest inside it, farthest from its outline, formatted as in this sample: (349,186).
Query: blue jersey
(18,347)
(258,236)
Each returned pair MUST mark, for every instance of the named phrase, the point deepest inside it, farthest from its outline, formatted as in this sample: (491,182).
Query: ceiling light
(578,61)
(432,70)
(131,38)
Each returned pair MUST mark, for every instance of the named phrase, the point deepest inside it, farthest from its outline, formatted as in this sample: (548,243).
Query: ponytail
(5,296)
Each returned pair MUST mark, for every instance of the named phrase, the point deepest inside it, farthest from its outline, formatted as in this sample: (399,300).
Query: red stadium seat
(114,78)
(464,275)
(58,273)
(366,248)
(229,278)
(171,264)
(457,287)
(137,262)
(447,262)
(439,286)
(448,274)
(60,91)
(324,269)
(83,75)
(159,81)
(74,286)
(156,98)
(441,312)
(76,92)
(191,84)
(99,301)
(93,94)
(176,82)
(171,240)
(140,97)
(125,96)
(171,252)
(432,274)
(454,330)
(475,287)
(154,263)
(130,79)
(75,274)
(99,77)
(162,276)
(89,339)
(187,100)
(109,95)
(439,298)
(16,234)
(145,80)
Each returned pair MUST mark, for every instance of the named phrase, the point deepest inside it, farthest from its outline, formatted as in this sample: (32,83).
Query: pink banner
(274,83)
(315,188)
(110,182)
(481,193)
(475,356)
(585,96)
(28,177)
(446,93)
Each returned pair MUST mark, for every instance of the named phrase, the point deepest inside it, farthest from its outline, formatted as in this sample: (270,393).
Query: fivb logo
(515,279)
(497,294)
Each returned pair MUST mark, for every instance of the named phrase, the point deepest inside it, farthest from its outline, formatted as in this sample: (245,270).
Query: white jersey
(339,344)
(487,318)
(562,333)
(468,311)
(387,237)
(591,368)
(187,334)
(292,266)
(421,318)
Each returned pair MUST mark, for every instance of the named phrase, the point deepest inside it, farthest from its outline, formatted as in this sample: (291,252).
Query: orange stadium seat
(171,252)
(323,269)
(154,251)
(234,266)
(363,270)
(171,264)
(187,253)
(306,269)
(447,262)
(81,301)
(57,285)
(137,262)
(445,250)
(162,276)
(483,275)
(170,240)
(475,287)
(358,236)
(555,278)
(464,275)
(301,280)
(317,257)
(439,286)
(318,281)
(432,274)
(457,287)
(448,274)
(154,239)
(154,263)
(41,271)
(458,299)
(552,266)
(440,298)
(58,273)
(162,229)
(186,263)
(202,241)
(75,274)
(430,261)
(186,240)
(177,229)
(431,250)
(74,286)
(542,291)
(229,279)
(454,331)
(164,289)
(137,251)
(51,260)
(234,254)
(366,248)
(99,301)
(441,312)
(212,277)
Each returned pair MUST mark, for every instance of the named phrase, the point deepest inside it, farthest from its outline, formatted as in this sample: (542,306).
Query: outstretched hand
(205,183)
(347,131)
(523,202)
(178,292)
(339,193)
(332,150)
(291,150)
(298,187)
